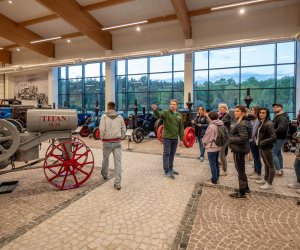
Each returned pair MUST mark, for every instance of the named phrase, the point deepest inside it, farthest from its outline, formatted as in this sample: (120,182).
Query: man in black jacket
(281,122)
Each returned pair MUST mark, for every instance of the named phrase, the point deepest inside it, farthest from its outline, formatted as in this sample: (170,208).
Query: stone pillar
(188,72)
(53,86)
(110,80)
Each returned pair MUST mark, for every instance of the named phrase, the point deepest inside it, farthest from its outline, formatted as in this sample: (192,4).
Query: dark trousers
(214,166)
(256,157)
(297,169)
(267,156)
(239,162)
(170,146)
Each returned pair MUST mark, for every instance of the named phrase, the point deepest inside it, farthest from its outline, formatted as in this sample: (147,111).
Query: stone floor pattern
(149,211)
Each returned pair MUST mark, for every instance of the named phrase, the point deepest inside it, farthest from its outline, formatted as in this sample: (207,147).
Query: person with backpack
(239,144)
(266,137)
(281,125)
(210,141)
(201,125)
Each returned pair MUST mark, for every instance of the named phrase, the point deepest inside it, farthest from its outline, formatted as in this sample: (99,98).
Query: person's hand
(154,106)
(180,143)
(192,121)
(199,125)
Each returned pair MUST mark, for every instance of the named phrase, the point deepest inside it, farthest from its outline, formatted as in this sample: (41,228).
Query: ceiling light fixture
(138,28)
(124,25)
(69,40)
(10,2)
(1,48)
(242,11)
(227,6)
(18,49)
(46,39)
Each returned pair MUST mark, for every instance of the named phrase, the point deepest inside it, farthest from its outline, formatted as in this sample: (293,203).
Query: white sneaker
(255,176)
(266,186)
(295,185)
(201,159)
(260,181)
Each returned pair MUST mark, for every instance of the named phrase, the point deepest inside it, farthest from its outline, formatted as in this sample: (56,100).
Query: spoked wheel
(68,165)
(189,137)
(159,132)
(55,142)
(157,124)
(16,124)
(85,131)
(138,135)
(96,133)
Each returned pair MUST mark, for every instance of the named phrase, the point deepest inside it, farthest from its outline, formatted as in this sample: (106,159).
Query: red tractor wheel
(85,131)
(189,137)
(68,165)
(96,133)
(159,132)
(55,142)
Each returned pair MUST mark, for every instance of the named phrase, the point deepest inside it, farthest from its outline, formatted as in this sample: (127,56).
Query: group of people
(249,131)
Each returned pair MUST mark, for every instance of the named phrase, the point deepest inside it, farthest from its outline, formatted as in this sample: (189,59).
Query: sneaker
(104,177)
(260,181)
(237,195)
(255,176)
(253,173)
(247,191)
(279,173)
(209,183)
(174,172)
(295,185)
(117,187)
(266,186)
(223,173)
(201,159)
(170,175)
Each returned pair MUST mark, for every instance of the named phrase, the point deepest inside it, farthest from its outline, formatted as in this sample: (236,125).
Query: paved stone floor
(152,211)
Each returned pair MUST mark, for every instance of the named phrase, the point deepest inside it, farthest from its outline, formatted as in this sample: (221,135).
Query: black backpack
(222,136)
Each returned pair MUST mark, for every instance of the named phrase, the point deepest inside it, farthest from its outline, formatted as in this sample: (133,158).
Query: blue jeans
(277,156)
(170,146)
(201,147)
(256,157)
(297,169)
(214,166)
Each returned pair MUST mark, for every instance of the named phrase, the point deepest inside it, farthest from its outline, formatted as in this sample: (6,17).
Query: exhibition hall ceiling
(24,23)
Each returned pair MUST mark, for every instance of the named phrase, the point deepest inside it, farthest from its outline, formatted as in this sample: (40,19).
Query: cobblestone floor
(149,211)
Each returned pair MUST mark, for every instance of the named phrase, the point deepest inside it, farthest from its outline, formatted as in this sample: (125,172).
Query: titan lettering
(52,118)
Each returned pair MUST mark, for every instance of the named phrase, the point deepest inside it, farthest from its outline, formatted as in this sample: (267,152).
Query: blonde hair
(223,105)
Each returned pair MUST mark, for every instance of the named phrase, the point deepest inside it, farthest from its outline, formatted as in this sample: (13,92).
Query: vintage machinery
(68,163)
(189,131)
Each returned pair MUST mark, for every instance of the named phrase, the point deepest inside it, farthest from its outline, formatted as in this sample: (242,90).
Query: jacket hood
(217,122)
(112,114)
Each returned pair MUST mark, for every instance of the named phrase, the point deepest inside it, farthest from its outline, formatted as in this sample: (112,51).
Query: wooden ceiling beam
(72,12)
(38,20)
(183,17)
(5,56)
(22,36)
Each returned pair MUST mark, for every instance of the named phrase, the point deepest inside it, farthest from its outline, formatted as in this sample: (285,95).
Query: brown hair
(242,109)
(256,110)
(111,106)
(213,115)
(174,100)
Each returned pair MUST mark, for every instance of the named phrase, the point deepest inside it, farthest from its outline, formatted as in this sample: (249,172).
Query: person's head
(223,108)
(239,112)
(264,114)
(173,105)
(255,111)
(111,106)
(201,110)
(277,108)
(213,115)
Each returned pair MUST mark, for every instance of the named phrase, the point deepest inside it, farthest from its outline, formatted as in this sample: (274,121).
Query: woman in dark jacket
(239,144)
(201,125)
(266,137)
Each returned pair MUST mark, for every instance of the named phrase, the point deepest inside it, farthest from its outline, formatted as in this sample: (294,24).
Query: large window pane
(162,99)
(201,80)
(121,84)
(103,68)
(62,87)
(121,67)
(75,71)
(200,98)
(230,97)
(224,58)
(141,100)
(92,70)
(286,98)
(286,76)
(92,85)
(91,100)
(286,52)
(224,79)
(121,101)
(161,82)
(178,84)
(201,60)
(160,64)
(137,66)
(137,83)
(75,86)
(63,73)
(258,55)
(261,97)
(178,62)
(62,101)
(76,102)
(258,77)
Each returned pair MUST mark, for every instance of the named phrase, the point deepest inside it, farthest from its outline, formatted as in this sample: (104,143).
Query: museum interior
(150,124)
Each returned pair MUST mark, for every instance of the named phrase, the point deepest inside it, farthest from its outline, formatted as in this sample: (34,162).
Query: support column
(110,80)
(188,73)
(53,87)
(298,79)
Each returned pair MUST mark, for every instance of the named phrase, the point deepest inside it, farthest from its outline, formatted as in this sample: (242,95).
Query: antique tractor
(189,131)
(68,162)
